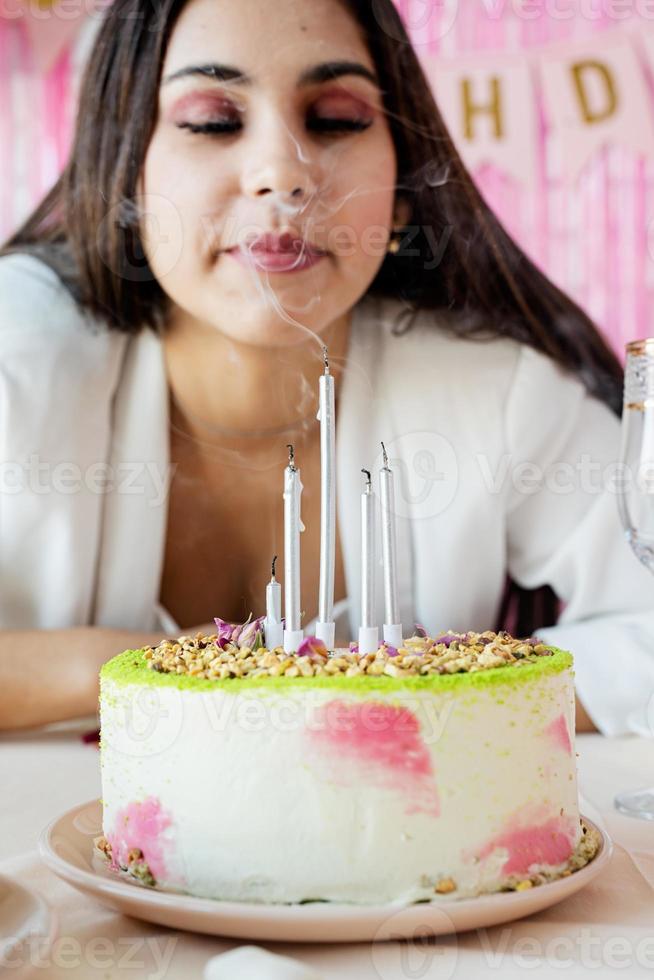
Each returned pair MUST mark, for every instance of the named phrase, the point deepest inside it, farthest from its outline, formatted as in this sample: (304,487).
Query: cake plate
(66,846)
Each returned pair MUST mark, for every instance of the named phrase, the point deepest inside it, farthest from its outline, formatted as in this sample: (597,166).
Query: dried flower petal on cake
(449,637)
(311,646)
(225,630)
(250,634)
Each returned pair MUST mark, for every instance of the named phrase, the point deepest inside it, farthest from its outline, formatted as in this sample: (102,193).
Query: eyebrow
(325,72)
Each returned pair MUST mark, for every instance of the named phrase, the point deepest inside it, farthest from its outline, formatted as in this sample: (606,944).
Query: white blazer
(497,453)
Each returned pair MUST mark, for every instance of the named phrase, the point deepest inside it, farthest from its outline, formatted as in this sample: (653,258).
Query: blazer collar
(136,504)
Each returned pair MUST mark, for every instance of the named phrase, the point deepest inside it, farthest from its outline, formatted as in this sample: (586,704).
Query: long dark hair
(86,228)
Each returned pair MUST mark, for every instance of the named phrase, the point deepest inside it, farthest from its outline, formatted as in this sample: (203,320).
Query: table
(607,928)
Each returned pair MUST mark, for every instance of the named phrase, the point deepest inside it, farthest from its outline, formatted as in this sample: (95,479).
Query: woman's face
(269,180)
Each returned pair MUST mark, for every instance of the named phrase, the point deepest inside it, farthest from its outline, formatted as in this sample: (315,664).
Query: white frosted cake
(444,768)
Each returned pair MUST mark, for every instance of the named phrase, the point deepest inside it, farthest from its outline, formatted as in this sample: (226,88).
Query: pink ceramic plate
(66,846)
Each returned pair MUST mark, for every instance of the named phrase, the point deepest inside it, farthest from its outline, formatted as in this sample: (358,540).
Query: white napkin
(253,963)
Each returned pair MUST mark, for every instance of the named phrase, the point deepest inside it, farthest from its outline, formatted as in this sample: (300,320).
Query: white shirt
(468,427)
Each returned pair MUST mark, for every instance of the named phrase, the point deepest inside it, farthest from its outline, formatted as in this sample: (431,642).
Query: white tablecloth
(607,929)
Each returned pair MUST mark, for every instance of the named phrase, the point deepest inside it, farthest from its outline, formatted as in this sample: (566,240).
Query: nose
(279,179)
(280,171)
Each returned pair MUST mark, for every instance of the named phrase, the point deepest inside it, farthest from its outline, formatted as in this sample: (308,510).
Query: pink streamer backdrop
(37,112)
(594,238)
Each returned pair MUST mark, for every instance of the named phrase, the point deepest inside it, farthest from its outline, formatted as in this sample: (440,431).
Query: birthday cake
(445,768)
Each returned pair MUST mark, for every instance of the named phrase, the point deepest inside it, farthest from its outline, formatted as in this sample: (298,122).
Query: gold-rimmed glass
(635,488)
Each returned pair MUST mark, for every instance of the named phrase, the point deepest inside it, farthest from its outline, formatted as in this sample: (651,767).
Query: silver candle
(292,528)
(273,629)
(326,416)
(392,627)
(367,631)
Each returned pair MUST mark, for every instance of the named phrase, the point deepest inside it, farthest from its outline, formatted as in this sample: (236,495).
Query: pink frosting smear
(141,824)
(383,739)
(558,732)
(549,843)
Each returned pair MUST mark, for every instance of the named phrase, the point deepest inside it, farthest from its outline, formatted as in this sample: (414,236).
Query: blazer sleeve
(563,529)
(58,372)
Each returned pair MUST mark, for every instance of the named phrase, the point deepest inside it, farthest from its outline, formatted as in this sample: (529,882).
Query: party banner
(490,110)
(595,94)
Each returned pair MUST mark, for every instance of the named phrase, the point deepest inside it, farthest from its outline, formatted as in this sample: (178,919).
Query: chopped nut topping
(449,653)
(136,865)
(103,845)
(445,886)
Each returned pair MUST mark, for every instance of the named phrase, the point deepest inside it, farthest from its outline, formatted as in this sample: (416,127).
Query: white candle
(273,629)
(326,414)
(392,625)
(293,526)
(368,632)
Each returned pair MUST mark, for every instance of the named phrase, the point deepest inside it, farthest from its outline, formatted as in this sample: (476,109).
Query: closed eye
(213,128)
(315,124)
(326,124)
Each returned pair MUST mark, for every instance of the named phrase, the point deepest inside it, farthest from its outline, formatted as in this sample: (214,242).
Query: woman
(248,183)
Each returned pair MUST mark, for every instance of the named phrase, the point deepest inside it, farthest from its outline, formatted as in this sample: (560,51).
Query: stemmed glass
(636,495)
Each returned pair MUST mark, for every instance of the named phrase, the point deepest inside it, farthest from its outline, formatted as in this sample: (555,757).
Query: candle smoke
(311,217)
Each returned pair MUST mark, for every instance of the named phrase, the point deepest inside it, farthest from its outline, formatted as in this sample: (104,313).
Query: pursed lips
(285,242)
